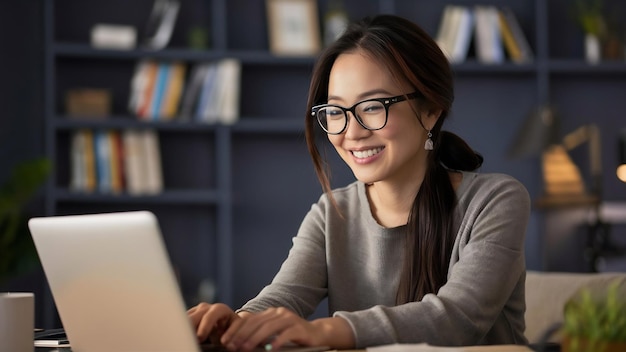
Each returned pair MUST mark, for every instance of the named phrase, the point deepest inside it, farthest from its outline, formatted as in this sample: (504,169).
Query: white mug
(17,321)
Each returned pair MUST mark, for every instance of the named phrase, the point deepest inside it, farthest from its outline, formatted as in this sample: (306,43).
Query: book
(219,96)
(151,157)
(489,49)
(230,86)
(159,90)
(455,32)
(513,36)
(142,162)
(90,161)
(207,94)
(146,85)
(103,163)
(444,33)
(137,83)
(173,91)
(133,168)
(116,165)
(192,91)
(512,48)
(82,161)
(462,36)
(78,179)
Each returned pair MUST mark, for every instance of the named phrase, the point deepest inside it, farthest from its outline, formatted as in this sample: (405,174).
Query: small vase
(592,48)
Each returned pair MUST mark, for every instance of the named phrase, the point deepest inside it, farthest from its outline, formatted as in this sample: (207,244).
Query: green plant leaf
(597,316)
(16,246)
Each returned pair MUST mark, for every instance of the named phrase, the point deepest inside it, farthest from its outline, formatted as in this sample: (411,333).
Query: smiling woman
(420,248)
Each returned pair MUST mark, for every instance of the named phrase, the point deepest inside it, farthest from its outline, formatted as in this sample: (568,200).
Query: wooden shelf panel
(268,125)
(247,124)
(582,67)
(78,50)
(173,197)
(475,67)
(130,122)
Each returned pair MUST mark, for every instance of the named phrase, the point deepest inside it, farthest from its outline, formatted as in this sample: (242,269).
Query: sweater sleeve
(301,282)
(486,270)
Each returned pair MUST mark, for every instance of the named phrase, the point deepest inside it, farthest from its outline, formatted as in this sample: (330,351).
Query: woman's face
(393,154)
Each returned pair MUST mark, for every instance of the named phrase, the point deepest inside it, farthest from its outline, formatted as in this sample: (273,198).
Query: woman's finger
(211,319)
(259,329)
(298,331)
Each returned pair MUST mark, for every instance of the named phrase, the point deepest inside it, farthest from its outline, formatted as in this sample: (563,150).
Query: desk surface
(404,348)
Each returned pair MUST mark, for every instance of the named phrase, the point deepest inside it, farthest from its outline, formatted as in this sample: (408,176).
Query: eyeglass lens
(372,115)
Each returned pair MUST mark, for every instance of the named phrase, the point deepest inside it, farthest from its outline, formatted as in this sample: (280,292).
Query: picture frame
(293,27)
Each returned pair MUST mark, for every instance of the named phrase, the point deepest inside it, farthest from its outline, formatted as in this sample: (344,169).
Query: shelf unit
(235,195)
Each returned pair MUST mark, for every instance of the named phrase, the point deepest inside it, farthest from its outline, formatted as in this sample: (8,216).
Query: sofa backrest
(547,293)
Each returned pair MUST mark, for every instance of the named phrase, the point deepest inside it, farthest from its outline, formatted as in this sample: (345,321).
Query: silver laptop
(113,283)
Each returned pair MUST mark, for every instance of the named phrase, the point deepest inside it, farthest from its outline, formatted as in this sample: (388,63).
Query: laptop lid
(112,282)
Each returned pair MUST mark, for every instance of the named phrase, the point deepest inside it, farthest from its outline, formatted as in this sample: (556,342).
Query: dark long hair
(412,57)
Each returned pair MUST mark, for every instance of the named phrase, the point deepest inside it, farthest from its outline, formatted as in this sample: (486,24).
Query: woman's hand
(275,327)
(211,320)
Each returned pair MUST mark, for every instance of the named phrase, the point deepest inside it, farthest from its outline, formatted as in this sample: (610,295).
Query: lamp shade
(539,131)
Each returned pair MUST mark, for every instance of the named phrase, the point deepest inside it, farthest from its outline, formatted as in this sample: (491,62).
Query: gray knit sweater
(356,263)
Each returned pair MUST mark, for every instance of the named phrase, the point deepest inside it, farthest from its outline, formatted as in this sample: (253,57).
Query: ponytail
(430,232)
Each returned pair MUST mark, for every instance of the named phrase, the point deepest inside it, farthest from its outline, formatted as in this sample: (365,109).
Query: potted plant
(18,252)
(595,319)
(590,17)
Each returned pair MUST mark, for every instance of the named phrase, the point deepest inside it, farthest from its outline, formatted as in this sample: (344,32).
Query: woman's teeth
(366,153)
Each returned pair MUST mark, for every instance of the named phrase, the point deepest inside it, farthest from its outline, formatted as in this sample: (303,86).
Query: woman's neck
(391,203)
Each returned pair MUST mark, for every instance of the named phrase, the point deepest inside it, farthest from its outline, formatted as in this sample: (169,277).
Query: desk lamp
(563,182)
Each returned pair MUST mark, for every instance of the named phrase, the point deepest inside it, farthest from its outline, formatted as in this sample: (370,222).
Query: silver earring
(429,142)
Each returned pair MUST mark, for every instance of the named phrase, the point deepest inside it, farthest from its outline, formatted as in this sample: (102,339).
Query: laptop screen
(112,282)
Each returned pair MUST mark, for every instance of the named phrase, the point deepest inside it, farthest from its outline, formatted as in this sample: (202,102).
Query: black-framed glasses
(371,113)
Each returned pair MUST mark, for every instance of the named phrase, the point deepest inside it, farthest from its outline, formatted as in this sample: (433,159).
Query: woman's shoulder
(349,199)
(489,180)
(477,185)
(348,192)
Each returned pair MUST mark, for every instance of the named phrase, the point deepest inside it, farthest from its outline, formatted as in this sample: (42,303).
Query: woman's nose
(354,130)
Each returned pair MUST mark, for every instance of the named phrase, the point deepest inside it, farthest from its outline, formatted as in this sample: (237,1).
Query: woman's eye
(372,108)
(334,113)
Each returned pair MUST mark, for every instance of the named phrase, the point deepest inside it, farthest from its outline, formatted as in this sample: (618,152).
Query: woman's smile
(361,154)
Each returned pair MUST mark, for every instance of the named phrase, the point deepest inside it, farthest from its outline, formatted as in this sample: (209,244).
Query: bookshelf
(235,195)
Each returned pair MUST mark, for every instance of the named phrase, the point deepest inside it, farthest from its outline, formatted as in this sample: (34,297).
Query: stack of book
(160,91)
(156,89)
(496,31)
(212,94)
(110,161)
